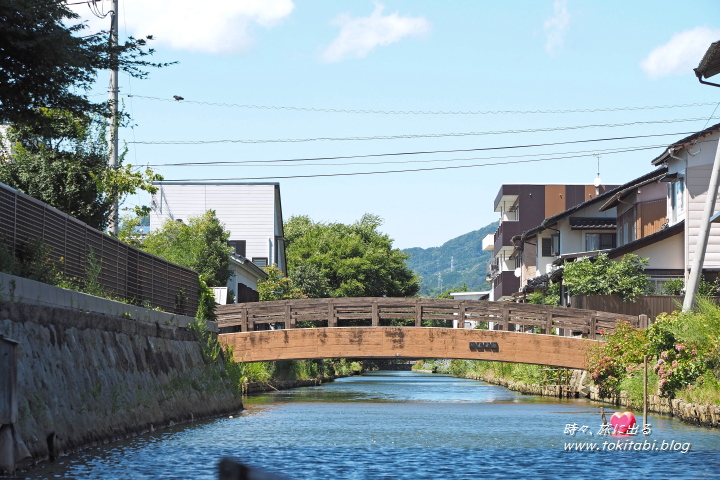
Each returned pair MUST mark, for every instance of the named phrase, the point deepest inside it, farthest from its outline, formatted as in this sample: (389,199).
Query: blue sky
(459,56)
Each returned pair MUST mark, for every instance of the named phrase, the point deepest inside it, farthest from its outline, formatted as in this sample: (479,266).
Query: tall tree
(201,245)
(64,162)
(47,60)
(355,260)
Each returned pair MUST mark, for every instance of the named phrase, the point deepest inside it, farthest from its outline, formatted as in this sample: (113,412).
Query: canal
(404,425)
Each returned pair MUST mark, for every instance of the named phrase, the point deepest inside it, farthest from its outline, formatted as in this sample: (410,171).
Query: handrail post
(548,321)
(332,319)
(593,326)
(505,318)
(288,317)
(418,313)
(375,314)
(461,315)
(244,319)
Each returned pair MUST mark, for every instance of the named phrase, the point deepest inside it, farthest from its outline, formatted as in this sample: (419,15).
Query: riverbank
(578,385)
(84,379)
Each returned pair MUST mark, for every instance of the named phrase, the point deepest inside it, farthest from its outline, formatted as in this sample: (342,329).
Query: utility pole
(709,66)
(113,100)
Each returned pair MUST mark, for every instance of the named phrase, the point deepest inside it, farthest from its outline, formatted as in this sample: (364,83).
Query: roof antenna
(597,182)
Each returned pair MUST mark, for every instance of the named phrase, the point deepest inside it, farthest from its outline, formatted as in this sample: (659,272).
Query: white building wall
(666,254)
(247,210)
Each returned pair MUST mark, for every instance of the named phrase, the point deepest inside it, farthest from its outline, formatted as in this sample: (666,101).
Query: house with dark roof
(522,207)
(660,218)
(629,218)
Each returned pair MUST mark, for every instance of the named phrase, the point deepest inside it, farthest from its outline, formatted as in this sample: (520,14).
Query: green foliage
(277,286)
(199,244)
(611,361)
(209,345)
(676,286)
(602,276)
(65,163)
(549,297)
(310,280)
(355,260)
(468,260)
(48,60)
(206,303)
(633,385)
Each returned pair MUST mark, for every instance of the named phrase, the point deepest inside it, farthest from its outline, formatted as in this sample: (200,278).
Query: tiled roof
(686,141)
(578,223)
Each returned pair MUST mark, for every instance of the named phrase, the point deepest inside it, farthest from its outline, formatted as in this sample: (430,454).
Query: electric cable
(425,112)
(237,162)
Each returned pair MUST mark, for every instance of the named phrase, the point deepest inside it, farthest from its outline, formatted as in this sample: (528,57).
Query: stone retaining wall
(705,415)
(84,378)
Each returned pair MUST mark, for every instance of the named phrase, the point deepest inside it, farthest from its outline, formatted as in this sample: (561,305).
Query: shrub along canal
(405,425)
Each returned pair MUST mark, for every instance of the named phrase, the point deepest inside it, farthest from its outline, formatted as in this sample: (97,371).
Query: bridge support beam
(403,342)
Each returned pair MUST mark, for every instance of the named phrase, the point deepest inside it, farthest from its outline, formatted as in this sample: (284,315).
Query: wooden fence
(126,272)
(650,305)
(334,312)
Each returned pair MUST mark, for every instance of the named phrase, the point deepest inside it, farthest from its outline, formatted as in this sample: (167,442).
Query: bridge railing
(379,311)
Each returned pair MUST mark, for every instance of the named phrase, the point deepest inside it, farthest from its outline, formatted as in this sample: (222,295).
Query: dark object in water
(231,469)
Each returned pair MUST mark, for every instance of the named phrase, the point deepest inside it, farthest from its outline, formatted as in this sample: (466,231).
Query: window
(261,262)
(677,197)
(547,247)
(238,247)
(551,246)
(599,241)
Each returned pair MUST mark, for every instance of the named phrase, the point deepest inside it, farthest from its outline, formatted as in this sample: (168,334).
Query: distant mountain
(460,260)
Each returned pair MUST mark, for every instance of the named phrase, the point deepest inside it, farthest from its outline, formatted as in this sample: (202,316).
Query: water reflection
(399,425)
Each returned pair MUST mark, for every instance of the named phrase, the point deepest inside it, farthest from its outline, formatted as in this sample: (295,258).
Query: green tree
(201,245)
(356,260)
(64,163)
(602,276)
(47,60)
(277,286)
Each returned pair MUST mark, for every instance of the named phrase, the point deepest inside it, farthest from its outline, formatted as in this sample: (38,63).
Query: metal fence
(125,271)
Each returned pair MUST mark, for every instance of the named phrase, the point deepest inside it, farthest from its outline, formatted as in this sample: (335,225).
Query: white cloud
(556,26)
(209,26)
(359,36)
(681,54)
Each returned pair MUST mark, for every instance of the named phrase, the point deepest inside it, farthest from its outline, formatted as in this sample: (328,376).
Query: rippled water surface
(401,425)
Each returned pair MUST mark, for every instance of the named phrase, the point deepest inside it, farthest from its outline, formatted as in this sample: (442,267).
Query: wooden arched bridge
(397,328)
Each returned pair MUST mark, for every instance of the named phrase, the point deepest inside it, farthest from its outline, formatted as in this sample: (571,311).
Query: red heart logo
(622,422)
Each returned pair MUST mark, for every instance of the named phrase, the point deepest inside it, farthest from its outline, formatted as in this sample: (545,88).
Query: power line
(421,135)
(425,112)
(454,167)
(238,162)
(584,153)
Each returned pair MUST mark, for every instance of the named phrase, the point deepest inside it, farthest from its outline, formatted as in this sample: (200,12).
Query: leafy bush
(621,354)
(602,276)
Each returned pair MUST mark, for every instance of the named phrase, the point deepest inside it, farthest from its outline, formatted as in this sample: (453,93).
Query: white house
(251,212)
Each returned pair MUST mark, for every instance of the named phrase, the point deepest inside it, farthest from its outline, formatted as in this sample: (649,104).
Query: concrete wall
(18,289)
(84,378)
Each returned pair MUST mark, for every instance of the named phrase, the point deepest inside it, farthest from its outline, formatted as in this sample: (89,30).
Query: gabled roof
(604,196)
(628,188)
(648,240)
(685,142)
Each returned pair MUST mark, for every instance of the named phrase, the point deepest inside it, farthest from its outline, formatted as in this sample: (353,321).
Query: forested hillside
(458,261)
